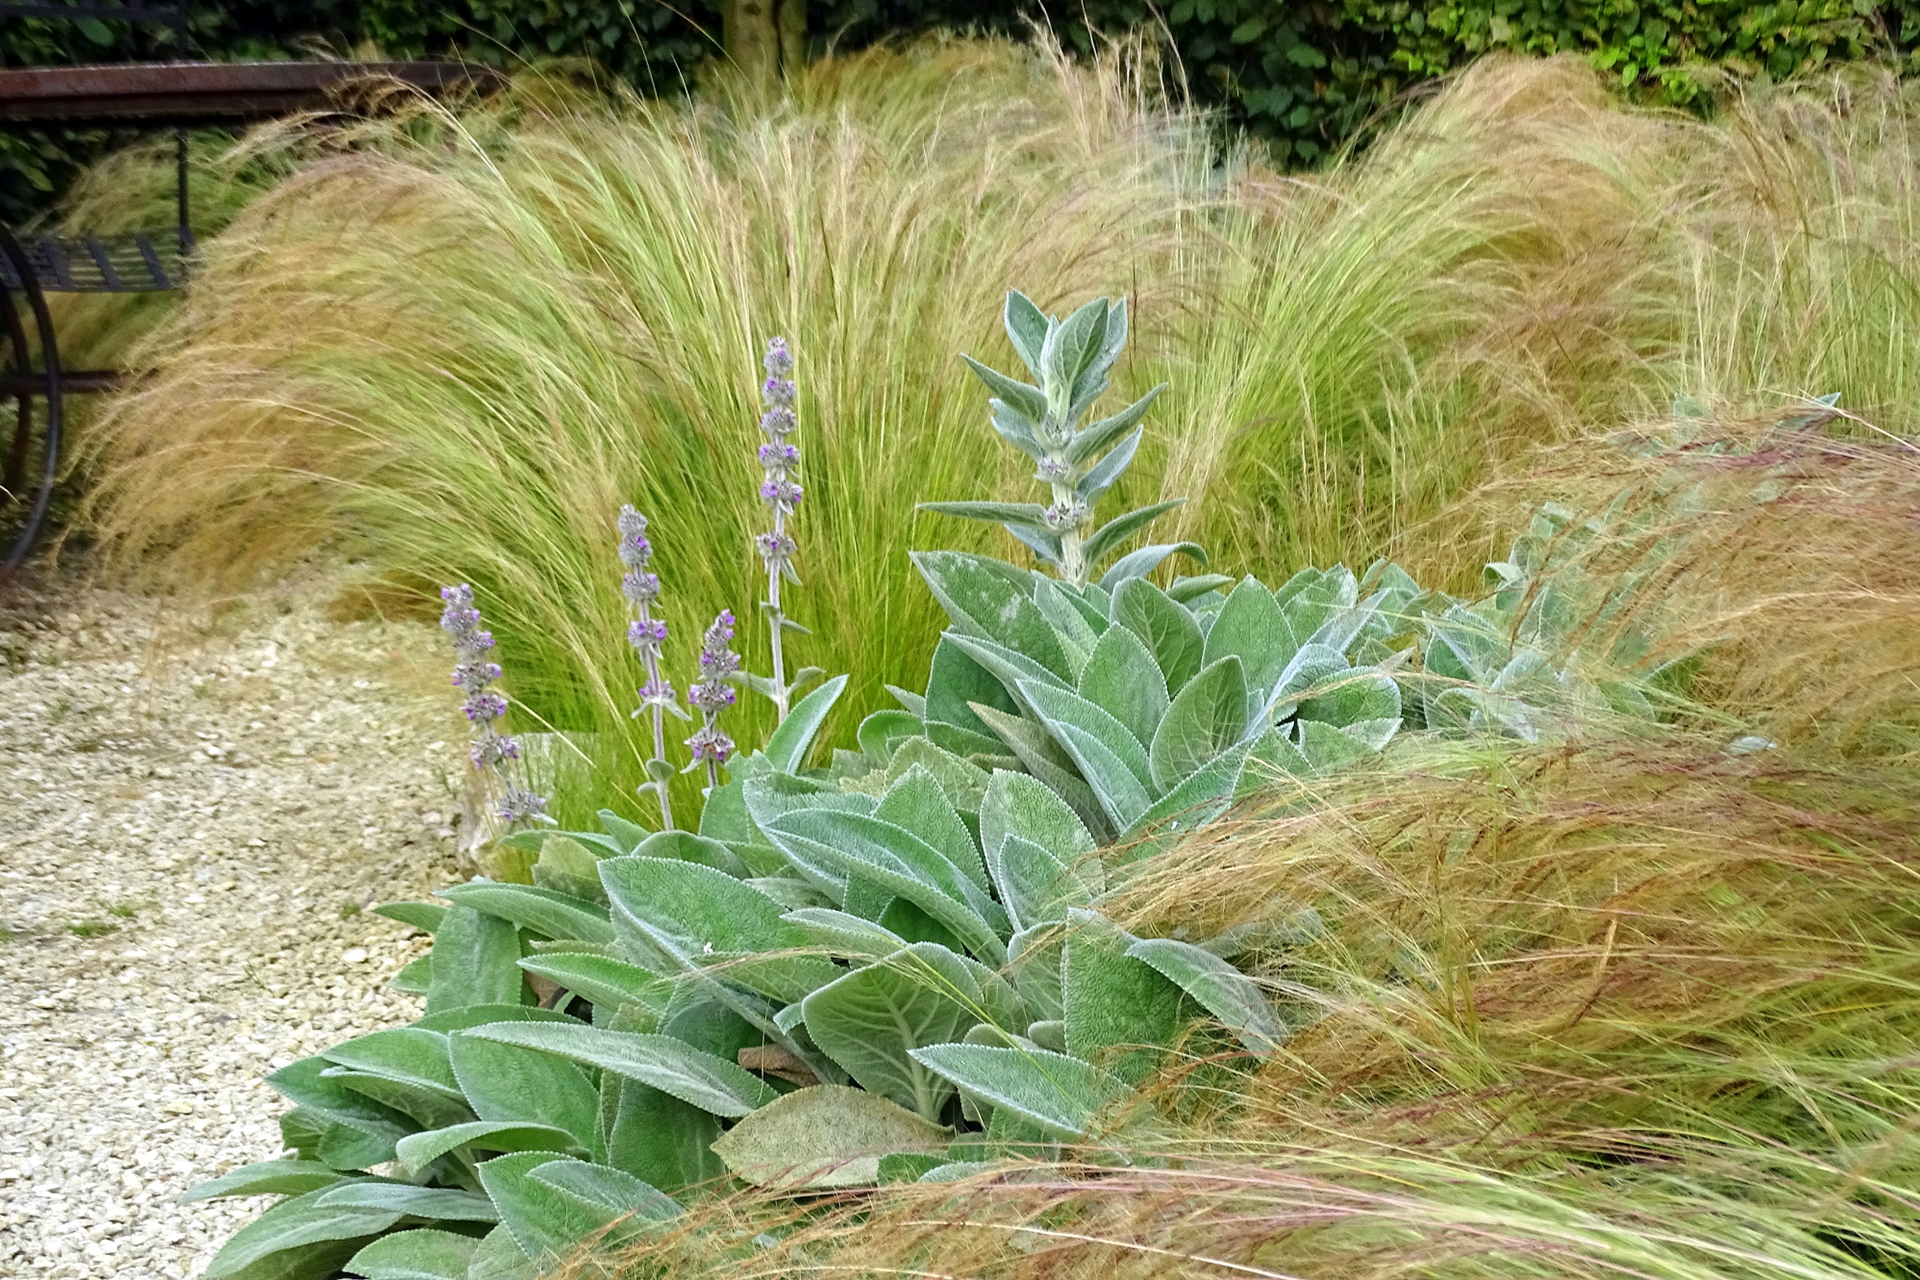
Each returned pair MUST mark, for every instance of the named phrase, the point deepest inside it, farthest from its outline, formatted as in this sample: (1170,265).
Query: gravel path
(197,811)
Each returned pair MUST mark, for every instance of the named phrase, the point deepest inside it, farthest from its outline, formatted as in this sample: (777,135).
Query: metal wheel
(33,454)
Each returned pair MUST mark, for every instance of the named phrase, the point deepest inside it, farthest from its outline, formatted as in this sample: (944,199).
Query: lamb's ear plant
(780,490)
(1070,361)
(899,966)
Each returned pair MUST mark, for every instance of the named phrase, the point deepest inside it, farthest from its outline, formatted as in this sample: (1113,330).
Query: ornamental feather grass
(1635,1004)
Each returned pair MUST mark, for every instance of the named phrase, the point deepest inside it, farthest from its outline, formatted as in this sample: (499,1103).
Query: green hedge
(1303,74)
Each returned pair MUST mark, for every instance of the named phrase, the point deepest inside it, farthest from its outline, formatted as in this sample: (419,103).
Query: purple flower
(710,746)
(778,491)
(778,421)
(778,456)
(717,658)
(778,362)
(490,748)
(647,633)
(485,706)
(640,587)
(1065,515)
(519,804)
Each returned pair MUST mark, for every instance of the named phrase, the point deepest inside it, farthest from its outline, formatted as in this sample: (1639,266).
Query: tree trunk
(752,40)
(792,24)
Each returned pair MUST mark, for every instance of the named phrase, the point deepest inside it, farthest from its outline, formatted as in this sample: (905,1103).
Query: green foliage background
(1302,74)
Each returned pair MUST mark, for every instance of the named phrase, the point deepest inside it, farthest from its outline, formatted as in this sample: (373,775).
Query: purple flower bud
(710,746)
(1054,469)
(645,633)
(631,523)
(777,421)
(1065,515)
(493,749)
(641,587)
(485,706)
(777,391)
(778,361)
(777,491)
(710,696)
(717,658)
(519,805)
(779,456)
(656,692)
(474,676)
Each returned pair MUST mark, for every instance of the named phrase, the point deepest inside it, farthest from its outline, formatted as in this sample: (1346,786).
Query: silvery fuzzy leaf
(1251,628)
(881,731)
(1034,959)
(1044,543)
(991,600)
(914,703)
(1171,633)
(1103,432)
(1208,716)
(1352,696)
(299,1223)
(1120,1012)
(508,1083)
(420,1254)
(788,744)
(1109,757)
(1121,678)
(955,682)
(556,915)
(1036,886)
(1105,473)
(1030,514)
(916,801)
(1062,1096)
(1223,990)
(1016,429)
(1027,328)
(1103,349)
(1044,758)
(713,1084)
(1071,629)
(424,916)
(1027,400)
(267,1177)
(1328,747)
(1144,560)
(1108,537)
(825,1136)
(1066,353)
(1018,804)
(871,1019)
(1184,590)
(418,1150)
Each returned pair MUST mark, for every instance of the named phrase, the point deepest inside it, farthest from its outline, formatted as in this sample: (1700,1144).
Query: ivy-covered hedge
(1303,74)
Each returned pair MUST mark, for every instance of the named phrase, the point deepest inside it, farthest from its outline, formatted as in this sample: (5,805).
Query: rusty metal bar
(188,92)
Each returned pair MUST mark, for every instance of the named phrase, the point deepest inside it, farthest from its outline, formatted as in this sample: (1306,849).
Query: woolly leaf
(266,1177)
(1062,1096)
(556,915)
(510,1083)
(1223,990)
(664,1062)
(825,1136)
(1170,632)
(298,1223)
(869,1020)
(788,745)
(418,1150)
(1120,1012)
(1208,716)
(476,960)
(1122,679)
(420,1254)
(1108,537)
(1109,757)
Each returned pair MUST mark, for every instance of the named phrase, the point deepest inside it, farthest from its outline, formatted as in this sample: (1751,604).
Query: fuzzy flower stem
(472,674)
(647,634)
(779,459)
(712,694)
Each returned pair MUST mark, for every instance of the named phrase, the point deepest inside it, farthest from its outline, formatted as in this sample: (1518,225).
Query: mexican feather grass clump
(455,346)
(1644,1002)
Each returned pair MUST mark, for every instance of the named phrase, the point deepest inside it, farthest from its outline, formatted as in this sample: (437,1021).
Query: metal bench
(145,96)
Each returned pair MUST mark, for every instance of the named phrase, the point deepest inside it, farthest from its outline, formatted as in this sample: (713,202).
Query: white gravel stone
(198,811)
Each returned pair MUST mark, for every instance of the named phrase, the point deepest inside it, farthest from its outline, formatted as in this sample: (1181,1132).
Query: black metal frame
(23,268)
